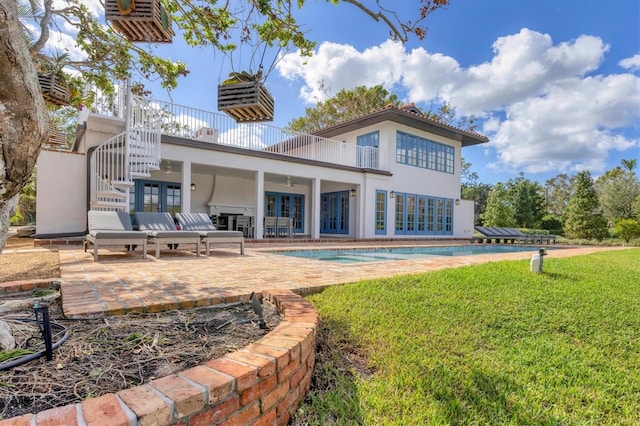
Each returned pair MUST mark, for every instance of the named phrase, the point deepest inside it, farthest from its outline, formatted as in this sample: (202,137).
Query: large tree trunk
(7,210)
(23,114)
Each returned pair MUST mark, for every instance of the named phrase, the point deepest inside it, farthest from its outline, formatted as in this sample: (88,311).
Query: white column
(314,204)
(186,187)
(259,207)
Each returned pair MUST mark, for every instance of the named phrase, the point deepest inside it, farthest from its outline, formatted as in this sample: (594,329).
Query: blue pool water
(402,253)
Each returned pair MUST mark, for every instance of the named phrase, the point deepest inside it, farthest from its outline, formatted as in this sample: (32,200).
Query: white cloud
(337,66)
(632,63)
(573,126)
(95,7)
(523,65)
(543,108)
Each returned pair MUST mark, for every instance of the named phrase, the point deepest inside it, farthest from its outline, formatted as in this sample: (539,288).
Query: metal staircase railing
(131,154)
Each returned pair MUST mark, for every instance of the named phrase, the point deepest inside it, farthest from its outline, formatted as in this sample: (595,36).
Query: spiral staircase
(129,155)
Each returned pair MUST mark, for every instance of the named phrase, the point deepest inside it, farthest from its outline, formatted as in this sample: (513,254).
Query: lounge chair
(497,234)
(200,223)
(161,229)
(111,228)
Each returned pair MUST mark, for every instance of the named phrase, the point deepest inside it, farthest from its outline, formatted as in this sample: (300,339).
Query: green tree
(345,105)
(472,189)
(350,103)
(635,207)
(627,229)
(500,209)
(527,198)
(446,114)
(584,218)
(109,56)
(557,192)
(617,191)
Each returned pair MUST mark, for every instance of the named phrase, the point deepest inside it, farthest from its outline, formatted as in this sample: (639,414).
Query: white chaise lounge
(111,228)
(161,229)
(201,223)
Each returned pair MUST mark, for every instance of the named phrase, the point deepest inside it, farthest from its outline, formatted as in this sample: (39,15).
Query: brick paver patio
(123,282)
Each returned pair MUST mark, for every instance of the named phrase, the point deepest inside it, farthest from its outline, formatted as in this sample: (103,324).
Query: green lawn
(488,344)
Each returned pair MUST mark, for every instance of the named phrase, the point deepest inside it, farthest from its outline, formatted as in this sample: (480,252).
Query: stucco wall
(62,193)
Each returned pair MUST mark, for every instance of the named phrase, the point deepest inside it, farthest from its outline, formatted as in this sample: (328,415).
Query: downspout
(88,185)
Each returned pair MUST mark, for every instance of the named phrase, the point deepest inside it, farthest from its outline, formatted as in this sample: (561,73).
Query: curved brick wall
(262,384)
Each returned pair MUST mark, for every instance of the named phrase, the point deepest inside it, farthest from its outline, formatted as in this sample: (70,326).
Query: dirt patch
(20,260)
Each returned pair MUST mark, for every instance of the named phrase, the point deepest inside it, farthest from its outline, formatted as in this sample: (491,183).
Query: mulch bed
(107,355)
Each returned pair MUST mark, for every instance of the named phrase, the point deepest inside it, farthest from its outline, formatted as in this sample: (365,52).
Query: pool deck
(123,282)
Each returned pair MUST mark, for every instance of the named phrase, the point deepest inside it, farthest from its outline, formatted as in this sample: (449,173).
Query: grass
(488,344)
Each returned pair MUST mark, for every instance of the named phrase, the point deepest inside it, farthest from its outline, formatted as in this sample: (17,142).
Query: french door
(423,215)
(280,204)
(334,214)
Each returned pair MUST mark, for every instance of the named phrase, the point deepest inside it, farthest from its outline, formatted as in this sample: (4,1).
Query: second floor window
(420,152)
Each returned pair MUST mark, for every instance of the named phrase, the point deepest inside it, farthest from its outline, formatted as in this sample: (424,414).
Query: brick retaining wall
(262,384)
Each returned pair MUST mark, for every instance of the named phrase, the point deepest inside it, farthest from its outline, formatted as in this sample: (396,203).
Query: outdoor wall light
(353,192)
(392,194)
(457,201)
(193,187)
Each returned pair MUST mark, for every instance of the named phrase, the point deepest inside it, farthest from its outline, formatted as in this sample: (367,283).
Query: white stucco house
(392,173)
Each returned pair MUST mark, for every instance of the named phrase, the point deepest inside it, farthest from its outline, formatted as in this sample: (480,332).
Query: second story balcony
(210,127)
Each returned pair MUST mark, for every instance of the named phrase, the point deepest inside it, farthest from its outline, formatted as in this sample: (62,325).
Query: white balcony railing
(207,126)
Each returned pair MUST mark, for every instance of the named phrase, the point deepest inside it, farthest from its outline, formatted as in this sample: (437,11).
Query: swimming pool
(358,255)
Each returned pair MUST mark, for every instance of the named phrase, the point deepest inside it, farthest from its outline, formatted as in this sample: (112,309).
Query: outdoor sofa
(160,229)
(200,223)
(112,228)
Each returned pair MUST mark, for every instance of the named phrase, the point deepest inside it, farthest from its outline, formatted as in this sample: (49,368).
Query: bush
(627,229)
(551,223)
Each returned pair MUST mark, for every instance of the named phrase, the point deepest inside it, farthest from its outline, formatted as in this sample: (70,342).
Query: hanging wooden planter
(56,138)
(140,20)
(246,101)
(54,90)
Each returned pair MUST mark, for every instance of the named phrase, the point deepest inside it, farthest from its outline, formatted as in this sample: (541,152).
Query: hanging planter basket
(246,101)
(56,139)
(54,90)
(140,20)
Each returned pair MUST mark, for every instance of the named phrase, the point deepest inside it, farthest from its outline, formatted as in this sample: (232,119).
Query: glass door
(335,213)
(368,150)
(278,204)
(153,196)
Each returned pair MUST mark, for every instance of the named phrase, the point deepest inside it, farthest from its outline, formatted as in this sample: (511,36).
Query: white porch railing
(206,126)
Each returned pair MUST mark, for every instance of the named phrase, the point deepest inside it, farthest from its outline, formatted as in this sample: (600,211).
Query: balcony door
(368,150)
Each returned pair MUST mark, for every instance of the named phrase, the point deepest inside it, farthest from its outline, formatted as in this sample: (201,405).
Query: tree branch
(397,34)
(44,29)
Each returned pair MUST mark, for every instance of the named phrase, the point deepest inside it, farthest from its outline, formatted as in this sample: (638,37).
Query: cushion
(221,234)
(109,220)
(107,234)
(155,221)
(195,222)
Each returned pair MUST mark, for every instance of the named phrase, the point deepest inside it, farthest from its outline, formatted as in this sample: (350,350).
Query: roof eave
(407,118)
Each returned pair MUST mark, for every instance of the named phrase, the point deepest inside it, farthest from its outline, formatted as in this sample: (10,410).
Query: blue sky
(555,84)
